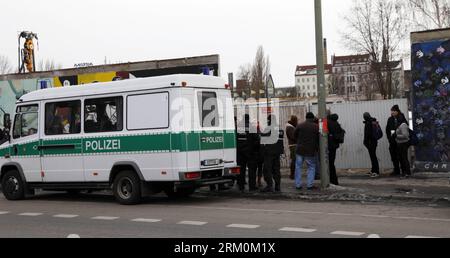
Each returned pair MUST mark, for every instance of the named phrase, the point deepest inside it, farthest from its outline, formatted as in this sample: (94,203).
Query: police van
(138,137)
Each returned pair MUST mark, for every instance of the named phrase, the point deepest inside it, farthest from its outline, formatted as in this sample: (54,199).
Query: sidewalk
(356,186)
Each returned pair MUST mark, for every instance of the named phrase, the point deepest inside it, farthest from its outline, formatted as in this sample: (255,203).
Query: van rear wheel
(127,188)
(13,186)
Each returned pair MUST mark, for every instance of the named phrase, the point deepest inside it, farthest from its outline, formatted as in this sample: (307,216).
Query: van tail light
(235,171)
(193,175)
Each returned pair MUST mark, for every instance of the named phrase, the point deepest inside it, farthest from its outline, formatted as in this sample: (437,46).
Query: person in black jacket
(335,139)
(371,143)
(393,123)
(273,148)
(247,149)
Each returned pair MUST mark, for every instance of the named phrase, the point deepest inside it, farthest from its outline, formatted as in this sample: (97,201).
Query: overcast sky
(136,30)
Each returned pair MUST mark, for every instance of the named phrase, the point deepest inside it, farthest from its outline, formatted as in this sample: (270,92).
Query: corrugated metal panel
(353,154)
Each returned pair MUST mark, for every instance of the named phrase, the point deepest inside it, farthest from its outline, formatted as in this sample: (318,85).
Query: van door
(25,142)
(210,129)
(61,144)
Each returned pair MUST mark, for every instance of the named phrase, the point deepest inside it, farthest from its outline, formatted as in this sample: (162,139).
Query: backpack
(339,136)
(377,133)
(413,139)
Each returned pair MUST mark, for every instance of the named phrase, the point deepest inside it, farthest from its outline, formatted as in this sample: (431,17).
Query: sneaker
(312,188)
(374,175)
(299,188)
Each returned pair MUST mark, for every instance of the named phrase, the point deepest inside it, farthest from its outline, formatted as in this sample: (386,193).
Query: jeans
(311,162)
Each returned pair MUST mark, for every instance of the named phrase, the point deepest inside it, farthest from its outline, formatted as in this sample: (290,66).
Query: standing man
(290,133)
(273,148)
(372,133)
(246,155)
(393,123)
(307,135)
(402,137)
(335,139)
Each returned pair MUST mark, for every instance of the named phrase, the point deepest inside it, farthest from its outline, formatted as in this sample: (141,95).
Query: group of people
(399,136)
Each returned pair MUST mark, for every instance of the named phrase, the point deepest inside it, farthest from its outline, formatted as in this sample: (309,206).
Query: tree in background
(5,65)
(430,14)
(256,74)
(48,65)
(377,27)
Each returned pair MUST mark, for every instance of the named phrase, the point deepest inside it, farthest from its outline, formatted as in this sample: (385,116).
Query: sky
(72,32)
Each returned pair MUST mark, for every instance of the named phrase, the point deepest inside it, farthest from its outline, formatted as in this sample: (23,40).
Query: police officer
(273,148)
(247,149)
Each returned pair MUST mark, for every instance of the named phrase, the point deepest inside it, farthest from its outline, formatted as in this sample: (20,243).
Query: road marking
(73,236)
(105,218)
(147,220)
(374,236)
(246,226)
(4,212)
(375,216)
(65,216)
(192,223)
(301,230)
(30,214)
(420,237)
(347,233)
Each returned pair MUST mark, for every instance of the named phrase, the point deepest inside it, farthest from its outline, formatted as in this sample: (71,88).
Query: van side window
(26,121)
(63,118)
(209,110)
(103,115)
(148,111)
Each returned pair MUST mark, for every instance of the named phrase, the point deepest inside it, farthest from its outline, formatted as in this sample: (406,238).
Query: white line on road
(374,236)
(192,223)
(246,226)
(420,237)
(30,214)
(347,233)
(4,212)
(301,230)
(147,220)
(65,216)
(104,218)
(73,236)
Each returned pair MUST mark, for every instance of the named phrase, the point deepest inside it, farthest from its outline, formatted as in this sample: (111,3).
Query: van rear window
(209,111)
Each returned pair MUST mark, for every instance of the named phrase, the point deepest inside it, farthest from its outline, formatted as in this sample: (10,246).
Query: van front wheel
(127,188)
(13,186)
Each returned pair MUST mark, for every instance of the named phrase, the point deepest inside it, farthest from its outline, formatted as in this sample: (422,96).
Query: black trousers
(393,150)
(402,149)
(272,171)
(293,150)
(374,159)
(332,159)
(247,161)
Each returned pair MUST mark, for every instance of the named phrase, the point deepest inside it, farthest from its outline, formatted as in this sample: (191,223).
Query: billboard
(431,109)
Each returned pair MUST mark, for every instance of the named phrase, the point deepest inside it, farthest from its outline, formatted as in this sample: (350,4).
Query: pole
(324,174)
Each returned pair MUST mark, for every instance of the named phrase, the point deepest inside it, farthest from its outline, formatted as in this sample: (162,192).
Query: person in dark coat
(307,135)
(371,143)
(335,139)
(292,141)
(247,148)
(393,123)
(273,148)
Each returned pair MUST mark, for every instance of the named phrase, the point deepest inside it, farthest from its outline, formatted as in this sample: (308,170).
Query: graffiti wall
(431,108)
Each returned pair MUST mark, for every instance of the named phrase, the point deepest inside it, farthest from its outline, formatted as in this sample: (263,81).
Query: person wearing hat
(396,119)
(307,135)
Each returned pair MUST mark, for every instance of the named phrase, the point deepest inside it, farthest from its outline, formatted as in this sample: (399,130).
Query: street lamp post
(324,174)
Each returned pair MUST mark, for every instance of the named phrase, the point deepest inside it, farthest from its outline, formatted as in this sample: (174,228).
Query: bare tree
(377,27)
(256,74)
(5,65)
(430,14)
(48,65)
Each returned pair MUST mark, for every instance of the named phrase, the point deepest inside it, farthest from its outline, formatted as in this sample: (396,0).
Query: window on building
(103,115)
(63,118)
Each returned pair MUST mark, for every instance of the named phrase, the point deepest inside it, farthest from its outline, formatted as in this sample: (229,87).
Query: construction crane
(26,54)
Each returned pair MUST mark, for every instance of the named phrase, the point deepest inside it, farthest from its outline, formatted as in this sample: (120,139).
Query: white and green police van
(138,137)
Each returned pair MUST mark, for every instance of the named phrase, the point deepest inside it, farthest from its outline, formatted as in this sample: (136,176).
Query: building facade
(306,80)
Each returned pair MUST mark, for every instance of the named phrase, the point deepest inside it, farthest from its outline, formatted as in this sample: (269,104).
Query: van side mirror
(7,121)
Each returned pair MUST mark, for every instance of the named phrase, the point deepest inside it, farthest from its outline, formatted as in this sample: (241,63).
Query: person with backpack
(402,137)
(372,134)
(335,139)
(392,124)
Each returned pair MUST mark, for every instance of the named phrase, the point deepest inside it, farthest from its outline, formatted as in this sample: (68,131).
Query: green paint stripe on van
(180,142)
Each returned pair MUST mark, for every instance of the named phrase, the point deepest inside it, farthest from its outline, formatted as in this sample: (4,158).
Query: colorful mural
(431,88)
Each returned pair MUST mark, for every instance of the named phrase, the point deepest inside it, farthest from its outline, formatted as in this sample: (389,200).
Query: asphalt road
(88,216)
